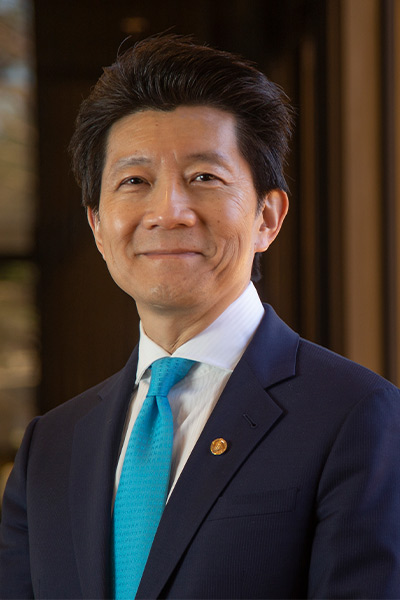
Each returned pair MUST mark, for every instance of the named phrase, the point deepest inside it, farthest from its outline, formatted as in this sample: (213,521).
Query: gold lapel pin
(218,446)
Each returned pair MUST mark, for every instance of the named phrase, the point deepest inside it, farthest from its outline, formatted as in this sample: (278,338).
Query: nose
(169,207)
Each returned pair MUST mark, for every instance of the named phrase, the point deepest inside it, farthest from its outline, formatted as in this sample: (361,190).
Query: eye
(132,181)
(205,177)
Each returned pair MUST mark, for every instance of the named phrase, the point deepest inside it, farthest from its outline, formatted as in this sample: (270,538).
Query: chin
(171,296)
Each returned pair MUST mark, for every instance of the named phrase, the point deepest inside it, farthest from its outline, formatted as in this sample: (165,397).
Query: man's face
(178,223)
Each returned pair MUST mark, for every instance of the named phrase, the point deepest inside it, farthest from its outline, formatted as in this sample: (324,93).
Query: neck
(171,329)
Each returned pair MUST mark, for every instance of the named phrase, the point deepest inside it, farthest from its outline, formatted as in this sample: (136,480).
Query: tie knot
(166,372)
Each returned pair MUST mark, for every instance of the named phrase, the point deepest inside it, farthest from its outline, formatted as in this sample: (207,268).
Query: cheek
(235,244)
(118,227)
(237,212)
(235,223)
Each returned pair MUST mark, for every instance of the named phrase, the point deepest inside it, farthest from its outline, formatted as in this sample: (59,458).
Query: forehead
(186,130)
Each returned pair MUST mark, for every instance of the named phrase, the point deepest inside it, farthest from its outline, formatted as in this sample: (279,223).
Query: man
(284,480)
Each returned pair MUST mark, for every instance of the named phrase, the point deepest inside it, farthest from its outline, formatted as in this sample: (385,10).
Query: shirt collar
(221,344)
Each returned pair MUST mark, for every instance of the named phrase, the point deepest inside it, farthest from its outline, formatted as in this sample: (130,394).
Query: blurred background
(334,272)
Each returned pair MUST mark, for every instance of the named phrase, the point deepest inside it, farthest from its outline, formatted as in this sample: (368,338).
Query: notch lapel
(95,450)
(244,414)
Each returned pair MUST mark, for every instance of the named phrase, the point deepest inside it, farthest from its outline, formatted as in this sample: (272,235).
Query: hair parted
(167,71)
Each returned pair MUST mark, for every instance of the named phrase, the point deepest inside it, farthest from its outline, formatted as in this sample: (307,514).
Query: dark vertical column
(390,204)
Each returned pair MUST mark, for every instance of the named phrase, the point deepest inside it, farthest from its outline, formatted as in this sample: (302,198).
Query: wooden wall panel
(362,184)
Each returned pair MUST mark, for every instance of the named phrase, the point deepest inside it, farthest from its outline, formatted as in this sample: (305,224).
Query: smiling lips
(173,253)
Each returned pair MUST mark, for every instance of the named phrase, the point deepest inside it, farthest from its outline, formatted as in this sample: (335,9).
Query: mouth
(172,253)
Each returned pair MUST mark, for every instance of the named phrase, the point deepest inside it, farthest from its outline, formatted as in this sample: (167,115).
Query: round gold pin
(218,446)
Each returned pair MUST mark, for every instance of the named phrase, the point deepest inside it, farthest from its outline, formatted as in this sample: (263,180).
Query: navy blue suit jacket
(304,503)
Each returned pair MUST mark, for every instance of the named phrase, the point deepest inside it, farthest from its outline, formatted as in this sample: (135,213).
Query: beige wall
(363,65)
(362,187)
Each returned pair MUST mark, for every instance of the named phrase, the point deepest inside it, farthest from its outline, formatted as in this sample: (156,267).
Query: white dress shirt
(217,350)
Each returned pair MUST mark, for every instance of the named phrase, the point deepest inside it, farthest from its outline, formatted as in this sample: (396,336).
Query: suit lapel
(243,416)
(96,443)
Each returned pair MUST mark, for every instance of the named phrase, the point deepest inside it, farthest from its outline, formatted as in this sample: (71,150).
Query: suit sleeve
(356,548)
(15,576)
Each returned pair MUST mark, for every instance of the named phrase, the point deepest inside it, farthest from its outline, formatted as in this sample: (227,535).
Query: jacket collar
(95,451)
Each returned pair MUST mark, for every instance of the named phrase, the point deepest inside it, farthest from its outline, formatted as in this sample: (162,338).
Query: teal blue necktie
(143,486)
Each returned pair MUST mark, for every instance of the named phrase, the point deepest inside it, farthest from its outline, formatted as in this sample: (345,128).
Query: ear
(93,218)
(276,206)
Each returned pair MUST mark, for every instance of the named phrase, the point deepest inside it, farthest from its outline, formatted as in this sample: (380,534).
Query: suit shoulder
(81,404)
(334,370)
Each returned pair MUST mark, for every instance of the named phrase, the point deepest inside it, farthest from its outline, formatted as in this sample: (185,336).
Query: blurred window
(18,320)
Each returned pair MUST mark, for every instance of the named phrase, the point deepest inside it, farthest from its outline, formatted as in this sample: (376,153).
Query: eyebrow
(217,158)
(129,161)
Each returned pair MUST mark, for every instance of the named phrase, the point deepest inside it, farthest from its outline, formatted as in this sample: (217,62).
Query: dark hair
(167,71)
